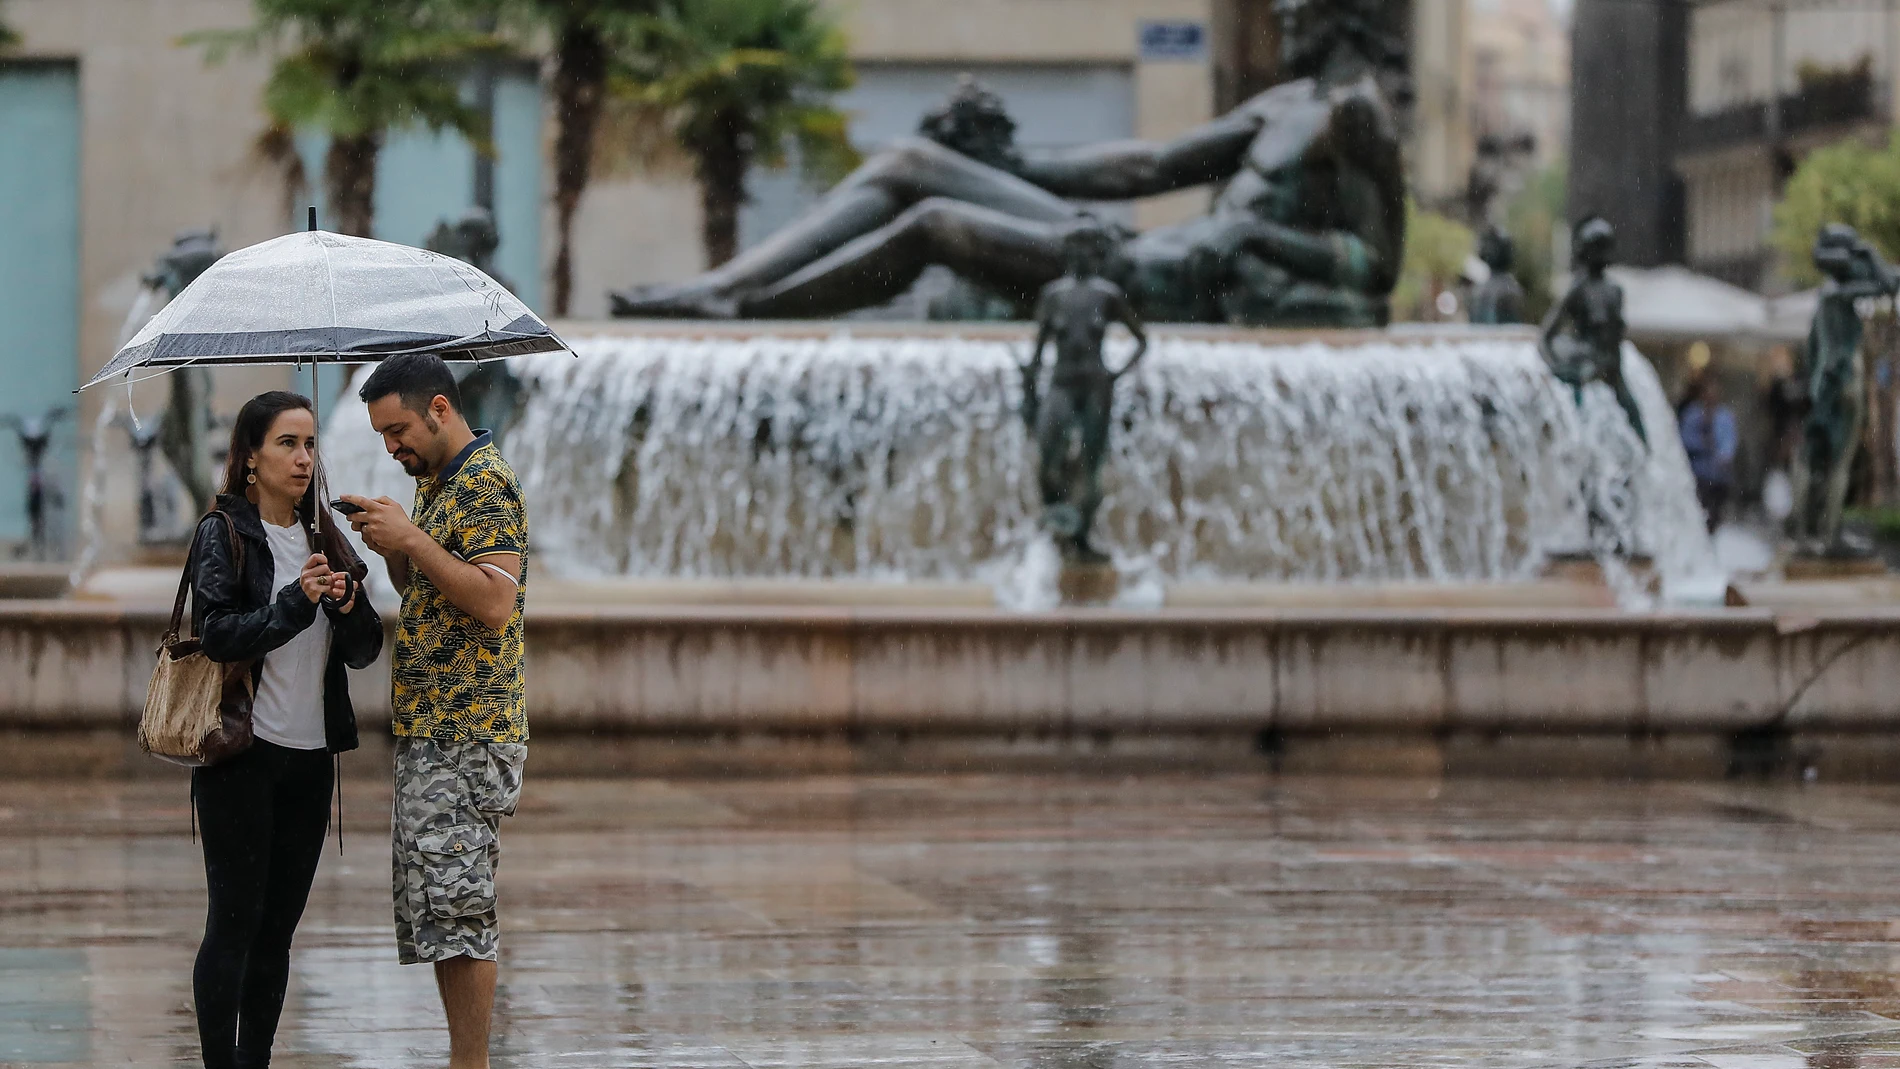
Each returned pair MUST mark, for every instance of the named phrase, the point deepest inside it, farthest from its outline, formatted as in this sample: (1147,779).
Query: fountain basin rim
(1414,334)
(1482,619)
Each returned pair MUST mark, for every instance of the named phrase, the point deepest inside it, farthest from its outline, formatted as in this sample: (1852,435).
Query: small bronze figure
(42,494)
(1071,421)
(184,434)
(1583,334)
(1837,391)
(490,391)
(471,239)
(192,252)
(1499,299)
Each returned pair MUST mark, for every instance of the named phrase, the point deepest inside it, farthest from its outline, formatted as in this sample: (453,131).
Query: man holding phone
(460,718)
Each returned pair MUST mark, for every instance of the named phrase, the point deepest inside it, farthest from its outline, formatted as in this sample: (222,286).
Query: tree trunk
(722,163)
(580,81)
(349,172)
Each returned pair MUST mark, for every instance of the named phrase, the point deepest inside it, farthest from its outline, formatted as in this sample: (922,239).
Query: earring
(252,477)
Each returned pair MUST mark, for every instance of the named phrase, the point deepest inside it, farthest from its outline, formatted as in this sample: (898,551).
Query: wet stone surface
(1024,921)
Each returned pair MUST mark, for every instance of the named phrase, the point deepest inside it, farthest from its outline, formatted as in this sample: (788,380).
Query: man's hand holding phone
(384,524)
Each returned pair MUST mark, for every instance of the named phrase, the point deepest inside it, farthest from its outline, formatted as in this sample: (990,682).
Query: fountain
(897,455)
(746,527)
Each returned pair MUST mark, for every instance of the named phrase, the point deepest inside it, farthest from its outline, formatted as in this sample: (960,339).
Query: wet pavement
(1025,921)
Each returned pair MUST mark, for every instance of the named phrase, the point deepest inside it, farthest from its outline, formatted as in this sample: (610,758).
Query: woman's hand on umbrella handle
(315,579)
(342,592)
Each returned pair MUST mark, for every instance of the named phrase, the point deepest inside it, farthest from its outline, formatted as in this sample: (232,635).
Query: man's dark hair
(417,378)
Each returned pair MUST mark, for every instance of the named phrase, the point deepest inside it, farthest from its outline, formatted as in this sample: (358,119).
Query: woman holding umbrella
(287,600)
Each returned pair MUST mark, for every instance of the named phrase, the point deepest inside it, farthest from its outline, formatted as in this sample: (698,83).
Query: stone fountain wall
(620,688)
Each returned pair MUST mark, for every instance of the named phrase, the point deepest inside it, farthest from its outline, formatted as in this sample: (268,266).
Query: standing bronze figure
(1837,391)
(185,432)
(42,495)
(1071,421)
(1499,299)
(472,239)
(490,392)
(1307,227)
(1583,334)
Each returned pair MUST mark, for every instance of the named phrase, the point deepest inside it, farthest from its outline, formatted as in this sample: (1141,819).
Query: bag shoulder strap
(184,579)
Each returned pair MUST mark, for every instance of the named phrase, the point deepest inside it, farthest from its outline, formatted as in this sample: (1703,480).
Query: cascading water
(1401,458)
(92,496)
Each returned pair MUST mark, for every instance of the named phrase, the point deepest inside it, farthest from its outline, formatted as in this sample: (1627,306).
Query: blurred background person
(1707,426)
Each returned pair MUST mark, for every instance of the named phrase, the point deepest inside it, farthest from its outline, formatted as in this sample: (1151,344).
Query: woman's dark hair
(247,437)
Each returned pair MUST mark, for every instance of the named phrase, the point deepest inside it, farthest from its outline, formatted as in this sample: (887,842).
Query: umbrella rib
(336,319)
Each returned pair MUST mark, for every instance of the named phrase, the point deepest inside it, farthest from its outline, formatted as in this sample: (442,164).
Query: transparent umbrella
(321,298)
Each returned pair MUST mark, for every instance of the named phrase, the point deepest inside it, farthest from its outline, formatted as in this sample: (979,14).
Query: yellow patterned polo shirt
(455,678)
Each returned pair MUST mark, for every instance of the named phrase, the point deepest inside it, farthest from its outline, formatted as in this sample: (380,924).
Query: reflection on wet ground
(1026,921)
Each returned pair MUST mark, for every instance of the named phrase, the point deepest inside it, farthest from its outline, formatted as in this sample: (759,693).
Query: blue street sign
(1173,40)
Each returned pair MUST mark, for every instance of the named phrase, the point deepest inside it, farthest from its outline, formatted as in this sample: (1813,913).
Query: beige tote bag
(197,710)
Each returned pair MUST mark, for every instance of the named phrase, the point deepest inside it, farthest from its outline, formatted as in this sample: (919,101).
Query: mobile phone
(345,508)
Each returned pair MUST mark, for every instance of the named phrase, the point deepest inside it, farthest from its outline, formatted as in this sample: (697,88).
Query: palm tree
(591,38)
(740,82)
(357,69)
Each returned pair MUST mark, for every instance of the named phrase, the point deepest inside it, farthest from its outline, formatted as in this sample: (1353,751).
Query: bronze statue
(42,494)
(490,392)
(1307,227)
(1071,422)
(184,432)
(471,239)
(1837,392)
(1583,334)
(1499,299)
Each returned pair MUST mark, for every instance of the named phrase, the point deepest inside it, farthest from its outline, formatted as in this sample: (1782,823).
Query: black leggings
(264,814)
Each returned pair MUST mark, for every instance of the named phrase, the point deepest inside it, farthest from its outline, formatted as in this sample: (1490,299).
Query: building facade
(1520,81)
(1769,83)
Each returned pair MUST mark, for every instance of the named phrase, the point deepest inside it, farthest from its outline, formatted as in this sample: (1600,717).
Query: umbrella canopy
(320,297)
(1675,302)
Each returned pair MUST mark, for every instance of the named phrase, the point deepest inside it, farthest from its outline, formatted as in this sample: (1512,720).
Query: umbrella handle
(350,588)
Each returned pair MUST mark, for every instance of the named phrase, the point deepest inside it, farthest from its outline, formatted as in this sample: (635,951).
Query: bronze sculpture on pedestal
(472,239)
(489,390)
(184,433)
(1582,340)
(1837,391)
(1071,421)
(1499,299)
(1307,228)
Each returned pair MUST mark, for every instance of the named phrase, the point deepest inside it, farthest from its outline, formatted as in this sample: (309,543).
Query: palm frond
(761,69)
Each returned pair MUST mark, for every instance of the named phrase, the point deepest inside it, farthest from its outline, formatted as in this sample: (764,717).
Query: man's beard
(414,465)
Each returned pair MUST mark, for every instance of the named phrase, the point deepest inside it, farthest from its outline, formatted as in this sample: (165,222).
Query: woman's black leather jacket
(240,618)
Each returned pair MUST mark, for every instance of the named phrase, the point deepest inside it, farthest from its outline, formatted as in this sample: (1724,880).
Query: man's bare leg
(467,987)
(1008,254)
(874,196)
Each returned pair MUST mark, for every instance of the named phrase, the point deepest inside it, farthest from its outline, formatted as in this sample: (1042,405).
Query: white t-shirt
(288,709)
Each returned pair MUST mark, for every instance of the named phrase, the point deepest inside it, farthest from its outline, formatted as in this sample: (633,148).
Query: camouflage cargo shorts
(450,798)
